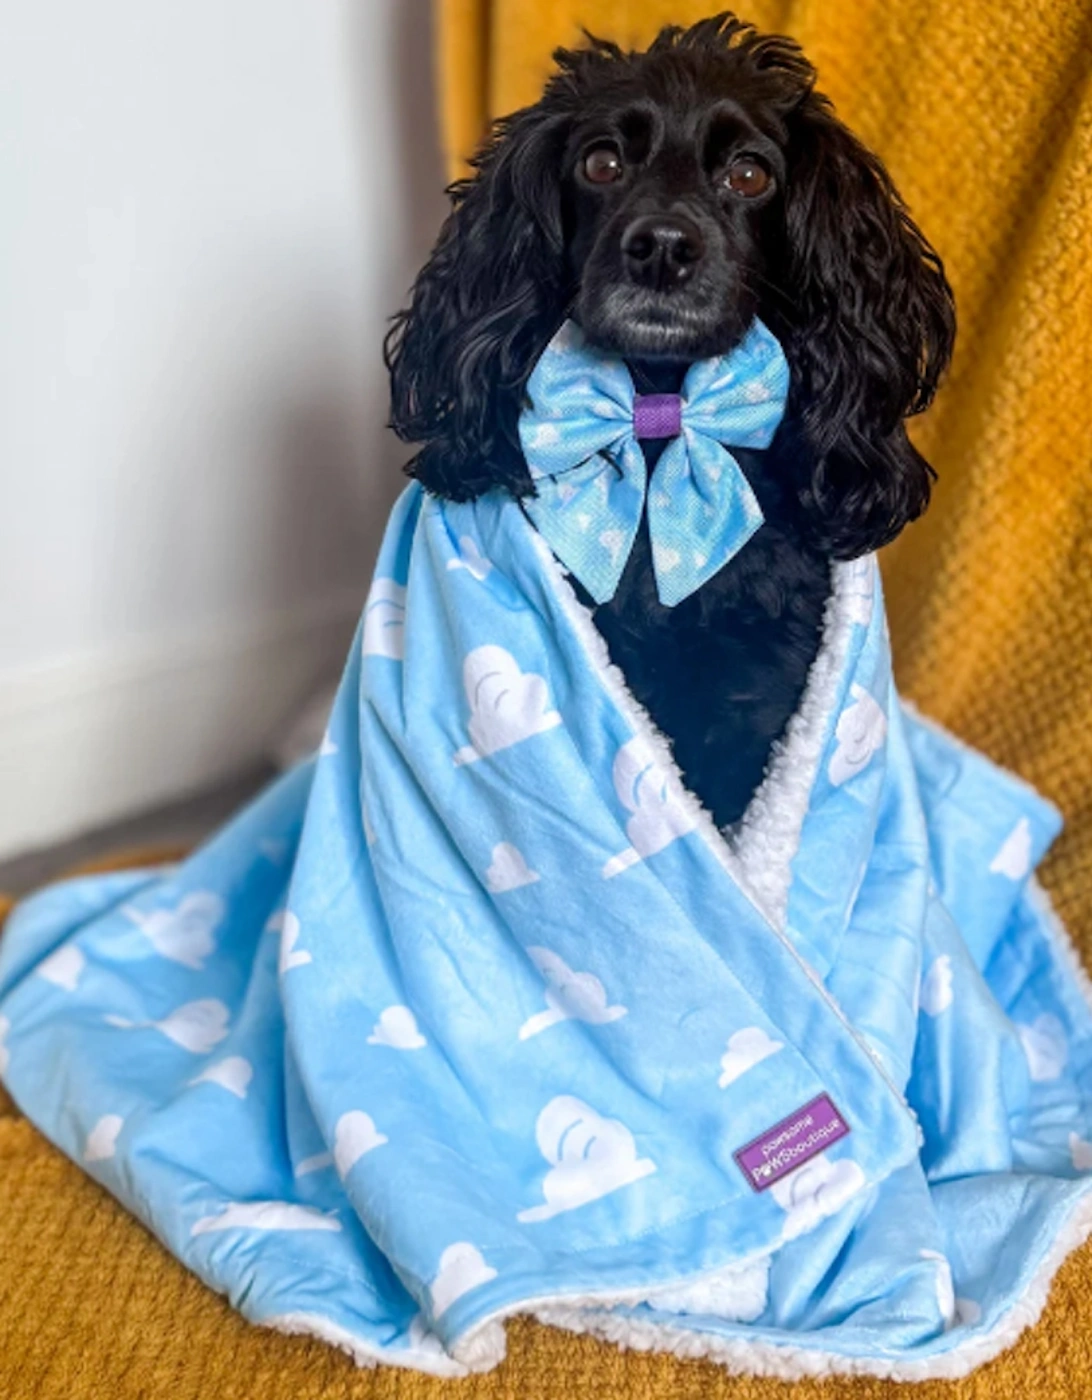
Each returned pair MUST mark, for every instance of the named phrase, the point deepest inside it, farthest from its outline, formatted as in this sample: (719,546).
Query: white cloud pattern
(461,1269)
(5,1053)
(570,996)
(656,799)
(196,1026)
(265,1215)
(290,955)
(1014,858)
(385,620)
(63,967)
(613,541)
(313,1164)
(102,1139)
(665,558)
(1045,1047)
(183,934)
(232,1073)
(507,705)
(544,435)
(590,1157)
(470,558)
(509,870)
(397,1029)
(746,1048)
(861,731)
(935,995)
(814,1191)
(354,1136)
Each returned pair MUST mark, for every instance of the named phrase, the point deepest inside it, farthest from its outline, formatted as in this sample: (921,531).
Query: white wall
(210,209)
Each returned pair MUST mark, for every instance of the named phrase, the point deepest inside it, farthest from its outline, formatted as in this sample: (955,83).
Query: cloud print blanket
(477,1013)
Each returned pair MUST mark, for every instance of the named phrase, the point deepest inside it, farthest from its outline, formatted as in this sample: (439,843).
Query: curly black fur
(829,258)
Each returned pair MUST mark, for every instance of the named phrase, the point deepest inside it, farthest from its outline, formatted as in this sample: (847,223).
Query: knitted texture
(92,1308)
(984,114)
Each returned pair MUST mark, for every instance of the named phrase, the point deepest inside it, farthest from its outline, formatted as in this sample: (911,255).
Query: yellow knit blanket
(983,111)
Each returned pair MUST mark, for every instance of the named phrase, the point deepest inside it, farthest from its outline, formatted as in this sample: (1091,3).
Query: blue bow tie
(580,438)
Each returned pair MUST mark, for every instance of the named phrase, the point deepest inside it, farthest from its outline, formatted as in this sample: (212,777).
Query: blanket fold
(477,1012)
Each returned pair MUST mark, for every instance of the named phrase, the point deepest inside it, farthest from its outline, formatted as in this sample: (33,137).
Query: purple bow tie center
(657,415)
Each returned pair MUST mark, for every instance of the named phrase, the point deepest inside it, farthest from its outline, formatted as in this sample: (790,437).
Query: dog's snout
(662,250)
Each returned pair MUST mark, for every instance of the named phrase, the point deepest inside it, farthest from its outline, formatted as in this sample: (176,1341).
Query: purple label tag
(790,1143)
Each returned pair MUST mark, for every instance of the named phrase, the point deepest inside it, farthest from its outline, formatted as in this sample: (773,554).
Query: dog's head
(663,199)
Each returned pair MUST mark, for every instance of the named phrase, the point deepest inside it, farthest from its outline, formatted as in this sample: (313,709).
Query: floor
(182,823)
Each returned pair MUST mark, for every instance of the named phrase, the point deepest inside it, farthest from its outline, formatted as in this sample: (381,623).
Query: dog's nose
(662,250)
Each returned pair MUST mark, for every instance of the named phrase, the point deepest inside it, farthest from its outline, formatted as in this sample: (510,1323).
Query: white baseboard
(91,739)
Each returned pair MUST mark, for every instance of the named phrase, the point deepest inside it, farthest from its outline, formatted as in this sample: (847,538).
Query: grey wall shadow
(333,465)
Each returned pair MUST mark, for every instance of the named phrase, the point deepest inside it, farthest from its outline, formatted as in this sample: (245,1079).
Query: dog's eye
(747,176)
(603,165)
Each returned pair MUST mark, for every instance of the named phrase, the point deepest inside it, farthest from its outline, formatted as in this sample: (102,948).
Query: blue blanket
(477,1013)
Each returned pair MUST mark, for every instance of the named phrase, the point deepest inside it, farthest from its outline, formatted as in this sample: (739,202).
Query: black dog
(663,199)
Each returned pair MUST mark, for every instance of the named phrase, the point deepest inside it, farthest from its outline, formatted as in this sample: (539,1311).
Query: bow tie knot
(657,415)
(580,434)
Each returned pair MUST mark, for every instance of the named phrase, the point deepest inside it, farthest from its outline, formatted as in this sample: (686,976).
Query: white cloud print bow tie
(580,438)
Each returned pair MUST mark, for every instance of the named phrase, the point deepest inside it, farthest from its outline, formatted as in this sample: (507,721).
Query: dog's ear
(869,328)
(481,311)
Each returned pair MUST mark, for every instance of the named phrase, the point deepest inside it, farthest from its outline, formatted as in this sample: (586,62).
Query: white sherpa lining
(483,1347)
(792,1361)
(431,1359)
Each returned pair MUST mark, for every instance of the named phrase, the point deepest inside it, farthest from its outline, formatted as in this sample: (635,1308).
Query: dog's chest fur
(722,672)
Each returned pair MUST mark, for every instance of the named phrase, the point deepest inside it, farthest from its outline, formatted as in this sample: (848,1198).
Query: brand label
(791,1143)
